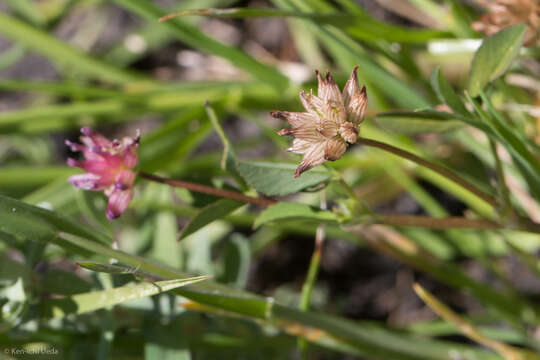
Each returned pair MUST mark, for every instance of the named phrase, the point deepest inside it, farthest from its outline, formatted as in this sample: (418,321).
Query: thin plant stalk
(432,166)
(451,222)
(209,190)
(313,270)
(504,193)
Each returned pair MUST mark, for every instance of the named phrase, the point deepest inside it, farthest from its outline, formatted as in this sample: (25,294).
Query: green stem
(436,223)
(309,283)
(504,193)
(432,166)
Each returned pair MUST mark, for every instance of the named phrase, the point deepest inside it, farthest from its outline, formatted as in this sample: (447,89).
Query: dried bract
(330,122)
(109,166)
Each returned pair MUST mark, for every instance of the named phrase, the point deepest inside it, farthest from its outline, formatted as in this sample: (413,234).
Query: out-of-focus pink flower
(109,166)
(329,124)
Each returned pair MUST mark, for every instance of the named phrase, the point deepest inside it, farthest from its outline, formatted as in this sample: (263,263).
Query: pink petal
(94,137)
(125,179)
(86,181)
(130,158)
(118,203)
(74,146)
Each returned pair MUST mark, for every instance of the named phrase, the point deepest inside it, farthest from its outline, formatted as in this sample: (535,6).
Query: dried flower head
(109,166)
(330,123)
(505,13)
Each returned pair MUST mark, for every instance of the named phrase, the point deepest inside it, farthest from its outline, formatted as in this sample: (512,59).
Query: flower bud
(330,122)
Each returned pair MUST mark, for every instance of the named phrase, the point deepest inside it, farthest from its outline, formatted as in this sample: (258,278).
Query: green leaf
(288,211)
(516,144)
(208,214)
(360,24)
(275,179)
(96,300)
(495,56)
(229,158)
(24,221)
(237,257)
(365,337)
(446,94)
(108,268)
(61,282)
(414,122)
(16,177)
(208,292)
(115,269)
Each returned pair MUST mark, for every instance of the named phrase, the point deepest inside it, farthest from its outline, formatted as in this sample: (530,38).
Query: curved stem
(393,220)
(437,168)
(209,190)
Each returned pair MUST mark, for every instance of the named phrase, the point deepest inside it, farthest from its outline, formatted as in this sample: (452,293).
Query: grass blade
(61,53)
(92,301)
(192,36)
(359,25)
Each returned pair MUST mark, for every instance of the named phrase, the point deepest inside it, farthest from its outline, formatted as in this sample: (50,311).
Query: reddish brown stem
(209,190)
(393,220)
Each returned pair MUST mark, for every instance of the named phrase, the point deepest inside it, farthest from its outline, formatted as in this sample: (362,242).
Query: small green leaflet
(495,56)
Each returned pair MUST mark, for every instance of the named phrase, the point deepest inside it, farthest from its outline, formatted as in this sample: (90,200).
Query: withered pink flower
(330,123)
(109,166)
(505,13)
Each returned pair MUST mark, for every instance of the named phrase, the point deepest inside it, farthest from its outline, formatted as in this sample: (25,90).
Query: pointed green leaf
(495,56)
(414,122)
(360,24)
(275,179)
(208,214)
(28,222)
(446,94)
(117,269)
(96,300)
(288,211)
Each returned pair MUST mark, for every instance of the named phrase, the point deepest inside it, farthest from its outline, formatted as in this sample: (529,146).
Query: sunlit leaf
(82,303)
(291,211)
(275,179)
(495,56)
